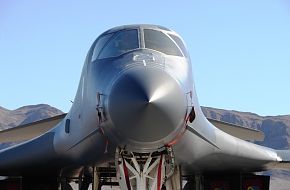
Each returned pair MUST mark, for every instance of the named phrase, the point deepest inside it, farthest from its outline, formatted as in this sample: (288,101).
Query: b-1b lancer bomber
(136,123)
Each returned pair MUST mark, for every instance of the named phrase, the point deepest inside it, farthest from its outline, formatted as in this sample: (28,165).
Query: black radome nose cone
(146,105)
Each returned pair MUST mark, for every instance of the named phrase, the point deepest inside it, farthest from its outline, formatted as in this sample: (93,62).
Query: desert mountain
(26,114)
(275,128)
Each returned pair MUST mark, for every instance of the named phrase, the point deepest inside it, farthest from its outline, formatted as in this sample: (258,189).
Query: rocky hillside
(275,128)
(26,114)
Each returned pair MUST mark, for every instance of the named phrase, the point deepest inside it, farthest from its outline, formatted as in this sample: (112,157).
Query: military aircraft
(136,122)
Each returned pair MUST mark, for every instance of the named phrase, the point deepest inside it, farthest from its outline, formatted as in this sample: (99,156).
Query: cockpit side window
(100,45)
(180,44)
(124,41)
(159,41)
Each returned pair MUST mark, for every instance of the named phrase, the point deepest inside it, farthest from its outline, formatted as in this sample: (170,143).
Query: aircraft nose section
(146,105)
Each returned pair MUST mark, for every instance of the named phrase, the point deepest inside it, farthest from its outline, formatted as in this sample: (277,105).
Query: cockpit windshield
(117,43)
(101,42)
(122,42)
(181,45)
(159,41)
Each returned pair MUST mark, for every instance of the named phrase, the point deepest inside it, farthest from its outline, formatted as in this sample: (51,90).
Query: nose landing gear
(147,171)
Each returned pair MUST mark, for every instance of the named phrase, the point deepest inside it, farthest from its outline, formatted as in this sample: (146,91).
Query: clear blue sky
(240,50)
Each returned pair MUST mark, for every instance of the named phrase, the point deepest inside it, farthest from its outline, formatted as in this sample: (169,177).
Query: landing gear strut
(147,171)
(86,178)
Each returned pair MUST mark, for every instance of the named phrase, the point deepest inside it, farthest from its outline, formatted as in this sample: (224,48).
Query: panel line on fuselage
(192,130)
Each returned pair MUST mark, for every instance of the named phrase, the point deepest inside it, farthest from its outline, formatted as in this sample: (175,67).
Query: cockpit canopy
(116,43)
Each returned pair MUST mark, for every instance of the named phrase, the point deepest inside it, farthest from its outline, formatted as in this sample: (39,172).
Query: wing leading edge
(30,130)
(238,131)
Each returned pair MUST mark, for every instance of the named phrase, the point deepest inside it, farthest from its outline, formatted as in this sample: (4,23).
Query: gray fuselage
(136,92)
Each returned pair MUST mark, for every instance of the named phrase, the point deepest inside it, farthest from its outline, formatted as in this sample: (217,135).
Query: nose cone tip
(146,105)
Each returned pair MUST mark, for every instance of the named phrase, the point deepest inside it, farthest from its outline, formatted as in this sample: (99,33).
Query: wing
(29,131)
(283,156)
(238,131)
(30,156)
